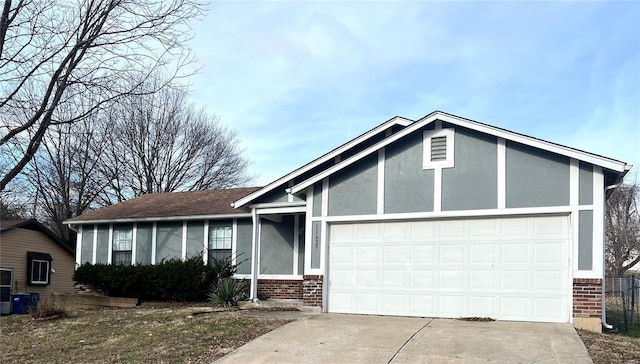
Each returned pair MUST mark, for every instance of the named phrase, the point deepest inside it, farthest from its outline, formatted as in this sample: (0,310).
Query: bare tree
(622,224)
(64,175)
(53,52)
(161,143)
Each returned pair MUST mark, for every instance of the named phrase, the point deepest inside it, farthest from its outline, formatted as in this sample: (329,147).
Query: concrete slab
(330,338)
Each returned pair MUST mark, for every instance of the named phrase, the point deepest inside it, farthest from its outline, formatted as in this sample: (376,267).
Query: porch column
(254,256)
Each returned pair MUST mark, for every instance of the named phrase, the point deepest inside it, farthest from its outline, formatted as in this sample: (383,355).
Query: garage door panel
(451,229)
(482,306)
(422,254)
(368,278)
(482,280)
(422,229)
(453,254)
(482,253)
(514,253)
(394,254)
(450,305)
(451,280)
(506,268)
(422,278)
(394,278)
(514,280)
(550,253)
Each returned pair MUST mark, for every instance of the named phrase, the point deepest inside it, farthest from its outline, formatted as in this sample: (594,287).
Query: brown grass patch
(611,348)
(168,334)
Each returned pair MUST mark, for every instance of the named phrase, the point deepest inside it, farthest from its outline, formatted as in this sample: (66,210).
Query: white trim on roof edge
(398,120)
(604,162)
(165,218)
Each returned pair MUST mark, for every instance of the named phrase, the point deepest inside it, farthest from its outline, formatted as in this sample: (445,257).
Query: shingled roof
(171,204)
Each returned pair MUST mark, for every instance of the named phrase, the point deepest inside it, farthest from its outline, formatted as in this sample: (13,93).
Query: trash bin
(20,302)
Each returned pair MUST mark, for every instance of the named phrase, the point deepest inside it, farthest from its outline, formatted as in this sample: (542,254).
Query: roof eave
(156,218)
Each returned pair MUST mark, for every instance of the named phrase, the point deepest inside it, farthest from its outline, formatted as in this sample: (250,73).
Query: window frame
(38,259)
(215,238)
(115,248)
(427,137)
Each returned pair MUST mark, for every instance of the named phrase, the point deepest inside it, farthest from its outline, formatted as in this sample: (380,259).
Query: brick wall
(312,291)
(279,289)
(587,297)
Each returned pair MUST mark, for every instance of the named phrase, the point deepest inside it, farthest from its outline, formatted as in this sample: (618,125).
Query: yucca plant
(227,292)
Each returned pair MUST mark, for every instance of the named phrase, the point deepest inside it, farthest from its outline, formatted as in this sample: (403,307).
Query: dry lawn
(611,348)
(158,334)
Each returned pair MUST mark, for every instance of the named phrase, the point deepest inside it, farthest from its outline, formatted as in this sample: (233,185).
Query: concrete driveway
(336,338)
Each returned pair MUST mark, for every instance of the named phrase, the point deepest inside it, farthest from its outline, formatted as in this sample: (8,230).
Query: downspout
(604,263)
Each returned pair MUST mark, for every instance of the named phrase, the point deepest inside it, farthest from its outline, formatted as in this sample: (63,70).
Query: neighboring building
(439,217)
(37,260)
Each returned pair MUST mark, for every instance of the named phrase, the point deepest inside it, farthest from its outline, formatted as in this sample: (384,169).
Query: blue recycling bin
(21,302)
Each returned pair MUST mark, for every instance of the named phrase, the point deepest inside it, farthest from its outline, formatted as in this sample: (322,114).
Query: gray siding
(86,253)
(276,246)
(317,199)
(585,240)
(353,191)
(473,182)
(243,246)
(169,241)
(585,180)
(301,224)
(195,238)
(315,244)
(143,243)
(102,248)
(535,178)
(407,187)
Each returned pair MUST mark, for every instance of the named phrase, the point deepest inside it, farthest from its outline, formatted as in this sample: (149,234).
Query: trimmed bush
(170,280)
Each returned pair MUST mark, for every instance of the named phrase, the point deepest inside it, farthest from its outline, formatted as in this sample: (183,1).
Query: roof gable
(395,121)
(33,224)
(607,163)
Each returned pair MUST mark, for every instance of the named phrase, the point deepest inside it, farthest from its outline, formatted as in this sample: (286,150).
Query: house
(439,217)
(33,259)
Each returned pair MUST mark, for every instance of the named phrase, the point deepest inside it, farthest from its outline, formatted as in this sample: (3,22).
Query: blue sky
(295,80)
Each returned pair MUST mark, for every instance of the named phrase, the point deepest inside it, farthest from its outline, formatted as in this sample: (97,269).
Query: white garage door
(504,268)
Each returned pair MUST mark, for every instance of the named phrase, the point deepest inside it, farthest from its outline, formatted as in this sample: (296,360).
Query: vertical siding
(14,245)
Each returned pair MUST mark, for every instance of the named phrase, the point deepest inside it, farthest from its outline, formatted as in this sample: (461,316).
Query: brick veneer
(587,297)
(312,291)
(279,289)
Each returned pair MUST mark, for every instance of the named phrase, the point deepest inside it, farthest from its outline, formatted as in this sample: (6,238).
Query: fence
(623,303)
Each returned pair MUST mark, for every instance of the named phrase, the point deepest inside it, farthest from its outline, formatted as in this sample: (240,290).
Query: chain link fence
(623,303)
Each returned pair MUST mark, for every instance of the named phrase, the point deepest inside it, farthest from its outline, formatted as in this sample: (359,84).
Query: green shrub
(227,292)
(169,280)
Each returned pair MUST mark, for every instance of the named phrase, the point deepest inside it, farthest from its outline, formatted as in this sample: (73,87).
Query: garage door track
(337,338)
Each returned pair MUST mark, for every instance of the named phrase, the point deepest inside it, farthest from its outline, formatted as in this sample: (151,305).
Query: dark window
(122,246)
(219,242)
(38,268)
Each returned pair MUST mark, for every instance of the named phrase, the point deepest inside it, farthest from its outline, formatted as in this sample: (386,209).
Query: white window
(39,271)
(38,268)
(438,148)
(122,246)
(219,243)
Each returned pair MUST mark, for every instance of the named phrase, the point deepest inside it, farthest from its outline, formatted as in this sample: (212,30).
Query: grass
(147,334)
(611,348)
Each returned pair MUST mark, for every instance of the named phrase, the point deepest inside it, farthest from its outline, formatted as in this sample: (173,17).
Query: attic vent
(438,148)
